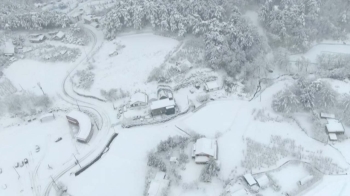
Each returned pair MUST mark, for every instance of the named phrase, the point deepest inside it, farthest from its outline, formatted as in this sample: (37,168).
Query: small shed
(335,127)
(327,115)
(263,181)
(332,137)
(211,86)
(249,179)
(305,180)
(38,39)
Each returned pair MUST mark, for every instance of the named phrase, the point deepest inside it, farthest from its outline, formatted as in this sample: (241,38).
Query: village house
(38,39)
(138,99)
(164,106)
(9,49)
(334,128)
(158,185)
(204,149)
(249,179)
(211,86)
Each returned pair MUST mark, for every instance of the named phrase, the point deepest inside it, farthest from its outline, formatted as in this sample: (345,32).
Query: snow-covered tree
(210,170)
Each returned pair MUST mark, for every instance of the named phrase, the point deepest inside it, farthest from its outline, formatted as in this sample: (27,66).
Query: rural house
(204,149)
(138,99)
(211,86)
(164,106)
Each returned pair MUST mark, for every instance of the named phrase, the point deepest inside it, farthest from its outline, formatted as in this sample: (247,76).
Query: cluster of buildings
(161,103)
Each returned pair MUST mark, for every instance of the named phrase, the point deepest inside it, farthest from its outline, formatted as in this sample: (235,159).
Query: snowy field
(130,68)
(123,169)
(18,143)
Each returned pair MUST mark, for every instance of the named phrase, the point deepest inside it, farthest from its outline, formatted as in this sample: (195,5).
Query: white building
(138,99)
(60,35)
(335,127)
(84,123)
(249,179)
(327,115)
(212,86)
(164,106)
(158,185)
(204,149)
(9,49)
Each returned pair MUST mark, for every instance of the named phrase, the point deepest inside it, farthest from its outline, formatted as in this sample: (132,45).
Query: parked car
(25,161)
(58,139)
(37,148)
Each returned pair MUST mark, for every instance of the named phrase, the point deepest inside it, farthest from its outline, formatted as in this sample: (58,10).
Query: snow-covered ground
(19,142)
(129,69)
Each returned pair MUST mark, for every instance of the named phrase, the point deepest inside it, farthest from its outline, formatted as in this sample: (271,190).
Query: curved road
(70,97)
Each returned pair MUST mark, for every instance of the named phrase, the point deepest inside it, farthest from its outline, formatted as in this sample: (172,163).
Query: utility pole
(77,104)
(41,88)
(77,160)
(17,172)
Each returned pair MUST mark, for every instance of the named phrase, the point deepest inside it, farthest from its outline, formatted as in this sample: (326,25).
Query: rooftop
(162,104)
(206,146)
(212,85)
(250,179)
(9,48)
(84,124)
(335,127)
(332,136)
(262,181)
(327,115)
(138,97)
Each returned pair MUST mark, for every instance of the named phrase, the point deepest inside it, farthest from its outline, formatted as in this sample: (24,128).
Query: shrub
(211,169)
(183,158)
(155,161)
(285,102)
(172,142)
(202,98)
(114,94)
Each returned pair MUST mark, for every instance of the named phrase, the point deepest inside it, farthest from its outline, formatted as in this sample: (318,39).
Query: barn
(164,106)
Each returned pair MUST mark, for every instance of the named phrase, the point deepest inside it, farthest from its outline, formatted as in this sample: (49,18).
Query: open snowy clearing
(18,143)
(130,68)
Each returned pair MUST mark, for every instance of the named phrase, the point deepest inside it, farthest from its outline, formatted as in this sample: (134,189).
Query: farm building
(249,179)
(60,35)
(138,99)
(9,49)
(84,123)
(335,127)
(204,149)
(38,39)
(164,106)
(158,184)
(212,86)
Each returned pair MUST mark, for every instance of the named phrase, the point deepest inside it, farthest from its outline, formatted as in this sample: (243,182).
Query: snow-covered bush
(211,169)
(183,158)
(154,160)
(172,142)
(285,102)
(202,98)
(157,74)
(114,94)
(26,104)
(84,79)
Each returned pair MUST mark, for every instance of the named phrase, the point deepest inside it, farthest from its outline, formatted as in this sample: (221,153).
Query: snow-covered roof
(305,179)
(212,85)
(330,120)
(262,181)
(335,127)
(60,34)
(333,137)
(84,124)
(250,179)
(162,104)
(173,159)
(39,38)
(201,159)
(327,115)
(240,192)
(205,146)
(138,97)
(156,187)
(9,48)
